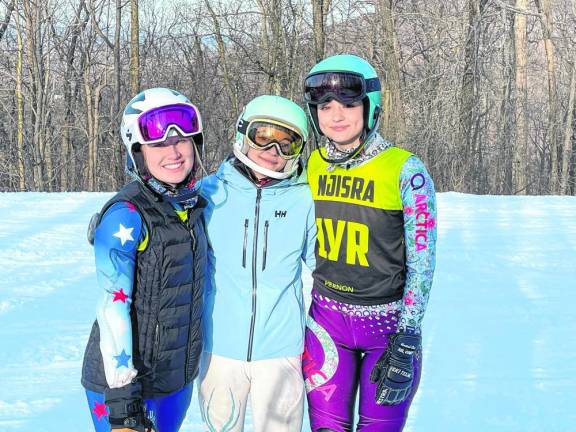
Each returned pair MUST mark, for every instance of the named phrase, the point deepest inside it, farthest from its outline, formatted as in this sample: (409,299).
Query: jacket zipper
(254,269)
(245,243)
(265,245)
(193,237)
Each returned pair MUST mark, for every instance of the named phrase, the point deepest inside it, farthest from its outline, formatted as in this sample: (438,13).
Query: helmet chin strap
(349,155)
(364,138)
(185,195)
(279,175)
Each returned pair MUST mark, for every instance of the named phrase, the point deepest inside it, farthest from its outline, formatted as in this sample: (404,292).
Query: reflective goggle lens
(346,87)
(262,135)
(155,124)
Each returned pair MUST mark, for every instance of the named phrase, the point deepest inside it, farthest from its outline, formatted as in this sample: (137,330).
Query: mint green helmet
(322,91)
(276,109)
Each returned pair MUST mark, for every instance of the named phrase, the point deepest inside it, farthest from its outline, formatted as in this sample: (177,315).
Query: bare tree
(20,108)
(570,125)
(319,12)
(506,116)
(386,60)
(462,81)
(9,10)
(222,54)
(38,57)
(520,161)
(470,92)
(544,8)
(134,48)
(67,57)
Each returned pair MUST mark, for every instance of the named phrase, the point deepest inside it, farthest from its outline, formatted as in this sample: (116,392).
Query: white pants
(275,388)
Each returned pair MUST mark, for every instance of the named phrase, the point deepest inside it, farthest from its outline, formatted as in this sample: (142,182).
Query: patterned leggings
(343,342)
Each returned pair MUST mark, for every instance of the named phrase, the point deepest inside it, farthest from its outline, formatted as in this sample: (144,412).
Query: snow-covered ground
(499,334)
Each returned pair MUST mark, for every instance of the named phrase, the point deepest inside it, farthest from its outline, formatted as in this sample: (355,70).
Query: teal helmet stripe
(130,107)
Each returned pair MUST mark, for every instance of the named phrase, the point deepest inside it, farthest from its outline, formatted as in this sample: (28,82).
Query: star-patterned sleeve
(117,240)
(419,206)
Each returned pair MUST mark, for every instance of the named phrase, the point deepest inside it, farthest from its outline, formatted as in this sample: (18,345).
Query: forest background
(484,91)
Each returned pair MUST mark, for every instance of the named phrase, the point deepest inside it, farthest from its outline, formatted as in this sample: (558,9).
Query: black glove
(394,371)
(127,408)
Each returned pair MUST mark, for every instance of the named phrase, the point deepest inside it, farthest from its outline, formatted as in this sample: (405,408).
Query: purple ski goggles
(154,125)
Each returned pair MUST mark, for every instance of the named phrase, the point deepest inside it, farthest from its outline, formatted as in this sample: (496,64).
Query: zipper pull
(245,245)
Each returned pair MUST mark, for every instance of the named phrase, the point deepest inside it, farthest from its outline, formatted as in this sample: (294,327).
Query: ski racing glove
(394,371)
(127,409)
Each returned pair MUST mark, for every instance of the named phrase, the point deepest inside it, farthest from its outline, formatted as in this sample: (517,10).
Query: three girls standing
(375,216)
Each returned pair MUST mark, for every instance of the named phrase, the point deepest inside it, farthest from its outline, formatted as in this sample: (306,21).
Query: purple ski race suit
(375,263)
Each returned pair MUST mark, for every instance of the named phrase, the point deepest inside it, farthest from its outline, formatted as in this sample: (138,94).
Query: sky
(499,335)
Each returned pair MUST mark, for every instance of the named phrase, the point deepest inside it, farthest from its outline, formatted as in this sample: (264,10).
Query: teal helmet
(369,91)
(275,110)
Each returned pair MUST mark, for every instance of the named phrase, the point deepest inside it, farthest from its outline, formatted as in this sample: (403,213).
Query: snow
(499,334)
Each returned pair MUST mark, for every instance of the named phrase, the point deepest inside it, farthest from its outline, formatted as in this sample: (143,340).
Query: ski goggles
(346,87)
(155,125)
(261,134)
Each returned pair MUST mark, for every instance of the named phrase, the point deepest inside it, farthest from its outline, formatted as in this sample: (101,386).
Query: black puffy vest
(166,306)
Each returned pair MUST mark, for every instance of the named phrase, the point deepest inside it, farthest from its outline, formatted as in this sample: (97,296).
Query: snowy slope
(499,335)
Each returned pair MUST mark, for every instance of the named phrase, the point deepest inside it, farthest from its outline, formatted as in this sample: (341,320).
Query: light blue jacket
(258,237)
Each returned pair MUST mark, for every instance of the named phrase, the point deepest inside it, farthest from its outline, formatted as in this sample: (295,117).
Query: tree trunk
(469,96)
(520,156)
(45,122)
(38,76)
(222,54)
(319,13)
(90,120)
(9,10)
(546,21)
(393,125)
(275,17)
(66,152)
(569,133)
(504,184)
(20,109)
(272,43)
(134,49)
(118,169)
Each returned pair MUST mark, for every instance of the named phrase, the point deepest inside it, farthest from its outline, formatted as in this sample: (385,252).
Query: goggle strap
(373,84)
(242,126)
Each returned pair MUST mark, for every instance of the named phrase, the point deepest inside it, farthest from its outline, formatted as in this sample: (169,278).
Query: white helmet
(186,122)
(277,110)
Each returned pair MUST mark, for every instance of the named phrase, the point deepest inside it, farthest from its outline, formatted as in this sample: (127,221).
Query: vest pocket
(156,344)
(245,245)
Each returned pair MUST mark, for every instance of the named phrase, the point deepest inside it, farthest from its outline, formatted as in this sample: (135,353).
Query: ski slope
(499,334)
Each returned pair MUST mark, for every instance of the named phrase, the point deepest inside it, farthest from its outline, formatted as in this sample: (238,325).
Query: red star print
(131,206)
(100,410)
(119,296)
